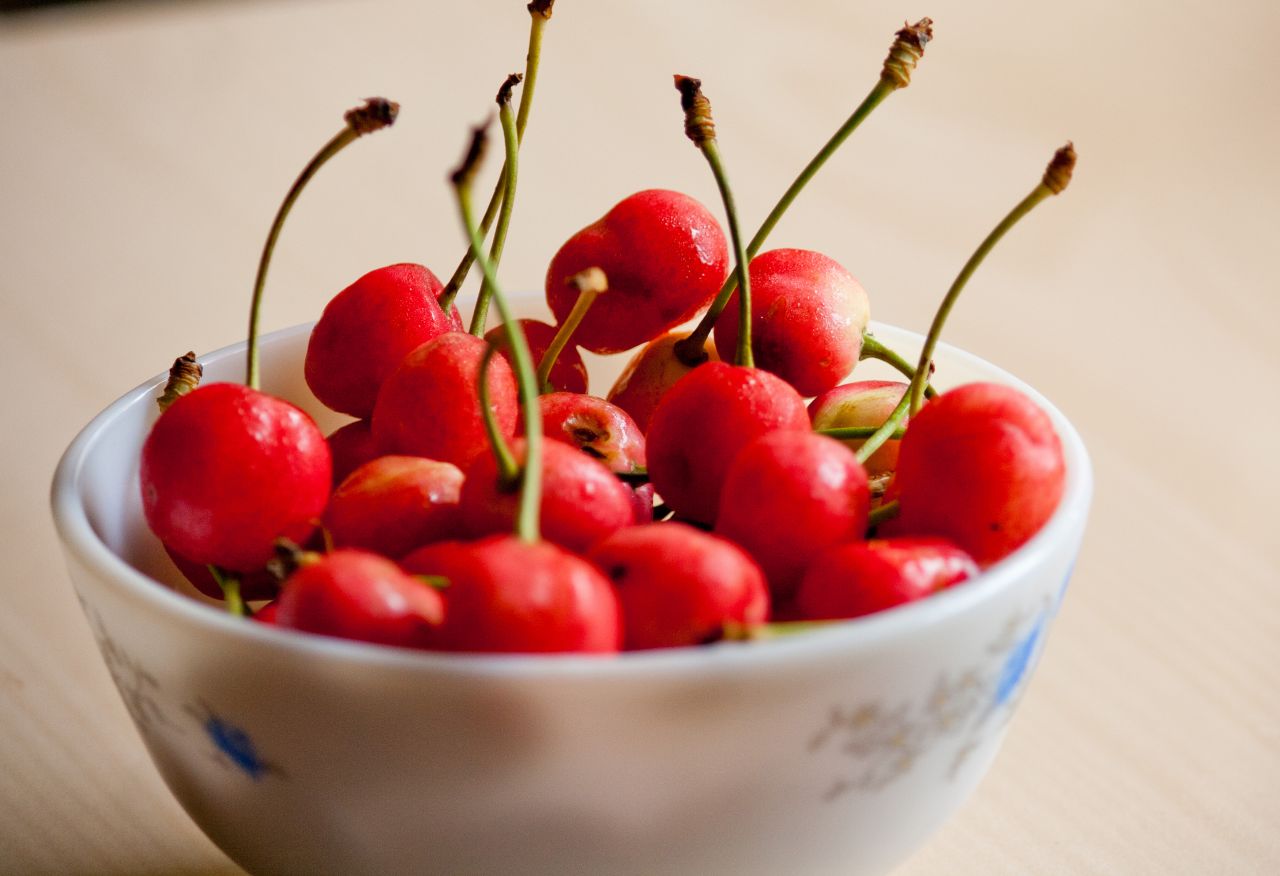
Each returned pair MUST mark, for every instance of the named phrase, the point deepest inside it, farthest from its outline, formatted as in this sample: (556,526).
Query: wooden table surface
(145,148)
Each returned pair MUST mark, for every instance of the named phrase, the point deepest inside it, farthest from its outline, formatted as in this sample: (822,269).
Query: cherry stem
(636,477)
(540,12)
(531,479)
(435,582)
(873,349)
(230,586)
(509,178)
(508,468)
(1056,177)
(887,511)
(908,43)
(743,355)
(290,557)
(590,283)
(184,376)
(700,128)
(376,113)
(692,349)
(848,432)
(735,631)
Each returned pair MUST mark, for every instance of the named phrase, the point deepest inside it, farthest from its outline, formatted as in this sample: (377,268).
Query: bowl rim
(857,635)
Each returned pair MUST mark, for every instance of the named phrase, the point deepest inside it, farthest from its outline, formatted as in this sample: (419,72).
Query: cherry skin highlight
(680,586)
(853,580)
(665,256)
(807,318)
(429,406)
(704,421)
(648,376)
(599,429)
(351,446)
(506,595)
(982,466)
(353,594)
(788,496)
(582,501)
(367,329)
(227,470)
(568,374)
(862,403)
(395,504)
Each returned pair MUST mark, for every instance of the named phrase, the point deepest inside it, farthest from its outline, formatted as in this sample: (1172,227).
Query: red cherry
(367,329)
(594,426)
(680,586)
(353,594)
(582,501)
(642,503)
(506,595)
(863,403)
(807,318)
(648,376)
(429,405)
(227,470)
(790,495)
(395,504)
(351,446)
(568,374)
(701,424)
(856,579)
(665,257)
(267,614)
(258,584)
(982,466)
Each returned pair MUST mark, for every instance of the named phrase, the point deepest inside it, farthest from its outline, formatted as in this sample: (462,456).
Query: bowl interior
(98,509)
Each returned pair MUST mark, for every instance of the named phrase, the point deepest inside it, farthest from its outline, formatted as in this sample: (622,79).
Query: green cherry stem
(635,478)
(873,349)
(740,632)
(591,284)
(1056,177)
(847,432)
(887,511)
(508,468)
(905,52)
(435,582)
(701,129)
(376,113)
(539,14)
(230,585)
(510,176)
(531,479)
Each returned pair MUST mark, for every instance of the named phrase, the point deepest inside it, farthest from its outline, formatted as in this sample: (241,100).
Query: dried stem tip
(591,280)
(698,125)
(466,171)
(541,7)
(906,52)
(184,376)
(504,93)
(289,558)
(1058,173)
(376,114)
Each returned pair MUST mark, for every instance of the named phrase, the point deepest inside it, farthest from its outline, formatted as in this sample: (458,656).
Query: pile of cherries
(481,500)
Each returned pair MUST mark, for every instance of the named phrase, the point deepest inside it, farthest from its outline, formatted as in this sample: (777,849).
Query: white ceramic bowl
(837,751)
